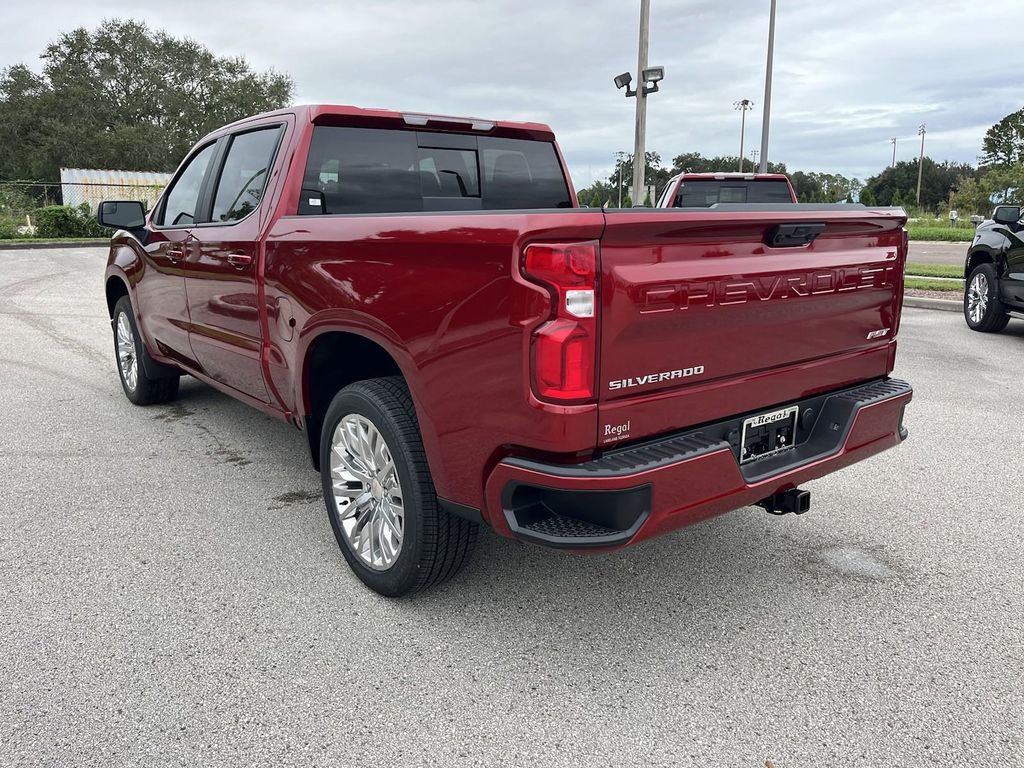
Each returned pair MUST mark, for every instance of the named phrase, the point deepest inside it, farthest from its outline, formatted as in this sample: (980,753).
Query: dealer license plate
(768,434)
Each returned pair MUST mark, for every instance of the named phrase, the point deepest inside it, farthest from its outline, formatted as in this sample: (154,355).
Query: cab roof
(344,114)
(735,175)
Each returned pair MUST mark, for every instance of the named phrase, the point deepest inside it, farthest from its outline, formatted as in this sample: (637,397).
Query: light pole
(649,79)
(893,152)
(742,105)
(768,91)
(921,131)
(620,182)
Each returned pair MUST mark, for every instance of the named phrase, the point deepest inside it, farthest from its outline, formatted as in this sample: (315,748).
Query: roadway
(172,592)
(927,252)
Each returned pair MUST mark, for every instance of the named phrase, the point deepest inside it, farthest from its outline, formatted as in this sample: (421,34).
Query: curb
(922,302)
(932,277)
(44,244)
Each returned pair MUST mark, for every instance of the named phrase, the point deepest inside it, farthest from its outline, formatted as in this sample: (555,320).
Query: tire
(133,359)
(387,501)
(982,309)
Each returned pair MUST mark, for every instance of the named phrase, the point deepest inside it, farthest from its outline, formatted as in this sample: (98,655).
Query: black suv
(994,271)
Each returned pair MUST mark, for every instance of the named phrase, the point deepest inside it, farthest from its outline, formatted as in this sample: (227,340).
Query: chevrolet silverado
(464,345)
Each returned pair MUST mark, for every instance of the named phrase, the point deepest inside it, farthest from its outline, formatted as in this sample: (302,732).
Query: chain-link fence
(23,204)
(21,197)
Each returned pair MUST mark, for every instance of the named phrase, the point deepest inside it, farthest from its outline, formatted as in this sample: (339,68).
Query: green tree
(1004,142)
(123,96)
(807,186)
(938,180)
(596,194)
(695,162)
(972,197)
(655,173)
(1005,184)
(867,197)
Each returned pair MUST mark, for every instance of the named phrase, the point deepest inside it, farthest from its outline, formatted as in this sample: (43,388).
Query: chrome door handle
(239,259)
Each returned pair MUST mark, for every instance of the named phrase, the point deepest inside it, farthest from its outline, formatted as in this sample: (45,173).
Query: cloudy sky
(849,75)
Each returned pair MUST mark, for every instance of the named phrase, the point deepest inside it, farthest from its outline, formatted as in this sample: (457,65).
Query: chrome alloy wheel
(977,298)
(126,357)
(367,492)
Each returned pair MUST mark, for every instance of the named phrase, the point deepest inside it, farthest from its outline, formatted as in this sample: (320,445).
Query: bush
(66,221)
(964,234)
(8,229)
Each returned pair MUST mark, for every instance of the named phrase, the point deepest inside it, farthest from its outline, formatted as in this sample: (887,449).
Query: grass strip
(924,284)
(942,234)
(934,270)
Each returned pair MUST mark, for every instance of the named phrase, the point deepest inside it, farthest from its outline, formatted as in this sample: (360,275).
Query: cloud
(848,76)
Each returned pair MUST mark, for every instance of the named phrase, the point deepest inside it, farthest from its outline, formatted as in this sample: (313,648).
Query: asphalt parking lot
(171,591)
(927,252)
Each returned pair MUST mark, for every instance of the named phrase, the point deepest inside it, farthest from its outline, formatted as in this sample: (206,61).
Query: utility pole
(921,131)
(893,152)
(639,149)
(647,83)
(742,105)
(620,182)
(768,91)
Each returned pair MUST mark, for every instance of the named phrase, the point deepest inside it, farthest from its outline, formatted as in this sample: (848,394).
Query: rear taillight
(565,347)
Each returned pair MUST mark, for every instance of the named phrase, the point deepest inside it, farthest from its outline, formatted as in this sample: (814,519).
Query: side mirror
(121,214)
(1006,214)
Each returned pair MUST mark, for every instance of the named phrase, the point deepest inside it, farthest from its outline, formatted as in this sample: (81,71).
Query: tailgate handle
(792,235)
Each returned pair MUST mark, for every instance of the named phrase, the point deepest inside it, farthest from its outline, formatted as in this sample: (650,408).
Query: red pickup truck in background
(702,190)
(464,345)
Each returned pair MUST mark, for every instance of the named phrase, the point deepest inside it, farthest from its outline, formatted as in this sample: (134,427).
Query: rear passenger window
(244,175)
(361,170)
(522,174)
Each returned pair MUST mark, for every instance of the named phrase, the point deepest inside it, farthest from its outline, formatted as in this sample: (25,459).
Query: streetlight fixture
(649,79)
(742,105)
(653,75)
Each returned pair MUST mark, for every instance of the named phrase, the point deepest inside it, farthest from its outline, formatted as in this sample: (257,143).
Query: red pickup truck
(464,345)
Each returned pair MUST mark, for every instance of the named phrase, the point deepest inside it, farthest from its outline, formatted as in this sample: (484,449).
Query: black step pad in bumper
(595,518)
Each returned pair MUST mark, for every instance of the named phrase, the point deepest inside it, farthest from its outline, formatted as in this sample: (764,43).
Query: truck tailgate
(704,314)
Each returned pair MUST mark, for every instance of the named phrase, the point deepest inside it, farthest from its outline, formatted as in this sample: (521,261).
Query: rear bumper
(642,491)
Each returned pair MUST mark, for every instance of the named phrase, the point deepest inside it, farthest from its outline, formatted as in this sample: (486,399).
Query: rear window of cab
(701,193)
(366,170)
